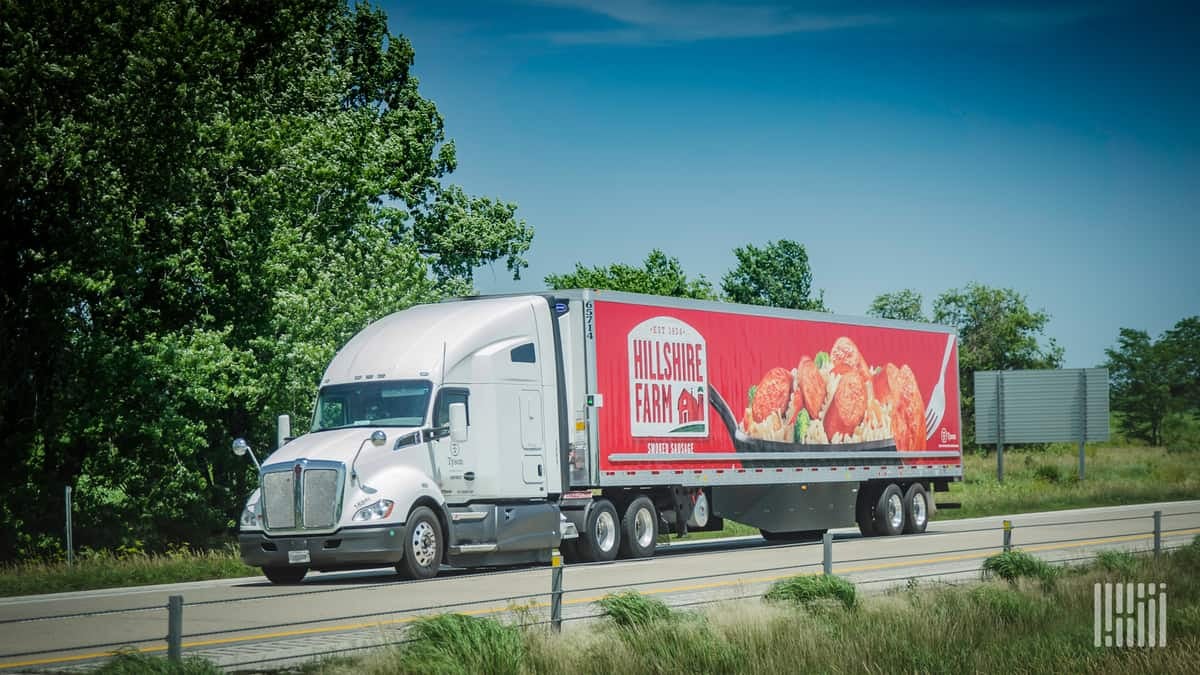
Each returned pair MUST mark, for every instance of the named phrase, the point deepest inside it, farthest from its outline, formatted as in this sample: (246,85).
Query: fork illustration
(937,400)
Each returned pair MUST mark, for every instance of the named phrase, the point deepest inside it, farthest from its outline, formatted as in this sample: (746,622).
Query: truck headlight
(377,511)
(250,515)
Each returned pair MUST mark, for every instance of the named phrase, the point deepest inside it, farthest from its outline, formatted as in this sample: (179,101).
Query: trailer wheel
(600,540)
(285,575)
(864,510)
(639,529)
(916,509)
(422,545)
(797,535)
(889,511)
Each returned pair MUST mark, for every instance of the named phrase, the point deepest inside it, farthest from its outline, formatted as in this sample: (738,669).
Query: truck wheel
(285,575)
(889,511)
(422,545)
(600,539)
(864,510)
(916,509)
(797,535)
(639,529)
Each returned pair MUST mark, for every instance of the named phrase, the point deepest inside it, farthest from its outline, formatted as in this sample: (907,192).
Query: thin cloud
(659,21)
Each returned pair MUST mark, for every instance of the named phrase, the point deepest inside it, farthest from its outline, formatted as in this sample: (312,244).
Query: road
(241,623)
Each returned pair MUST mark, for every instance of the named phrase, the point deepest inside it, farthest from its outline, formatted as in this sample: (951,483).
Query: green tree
(1140,385)
(202,200)
(903,304)
(996,331)
(1182,346)
(659,274)
(776,275)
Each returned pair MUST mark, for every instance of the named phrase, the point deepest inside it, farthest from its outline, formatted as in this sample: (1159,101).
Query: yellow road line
(582,601)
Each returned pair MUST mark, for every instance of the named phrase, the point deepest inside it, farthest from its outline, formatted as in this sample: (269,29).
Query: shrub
(456,643)
(810,589)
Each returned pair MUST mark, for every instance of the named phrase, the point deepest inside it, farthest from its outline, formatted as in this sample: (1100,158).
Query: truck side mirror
(458,422)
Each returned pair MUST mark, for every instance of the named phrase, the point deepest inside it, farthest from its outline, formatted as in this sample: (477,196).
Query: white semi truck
(489,431)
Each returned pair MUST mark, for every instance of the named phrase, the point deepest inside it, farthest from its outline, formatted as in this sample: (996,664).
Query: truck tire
(916,509)
(285,575)
(600,540)
(797,535)
(864,510)
(639,529)
(889,511)
(422,545)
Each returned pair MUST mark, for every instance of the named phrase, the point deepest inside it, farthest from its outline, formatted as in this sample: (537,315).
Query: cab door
(455,460)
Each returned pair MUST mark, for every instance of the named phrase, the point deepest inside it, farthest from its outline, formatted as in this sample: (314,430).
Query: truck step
(949,505)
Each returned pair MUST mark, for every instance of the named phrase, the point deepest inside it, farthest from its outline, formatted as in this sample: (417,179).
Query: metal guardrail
(176,605)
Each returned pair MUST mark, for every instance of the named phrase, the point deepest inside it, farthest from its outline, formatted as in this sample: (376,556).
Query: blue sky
(1047,147)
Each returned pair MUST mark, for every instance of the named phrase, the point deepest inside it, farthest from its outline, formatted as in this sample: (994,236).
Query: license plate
(297,557)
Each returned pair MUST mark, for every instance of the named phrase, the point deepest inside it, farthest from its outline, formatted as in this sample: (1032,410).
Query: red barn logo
(668,379)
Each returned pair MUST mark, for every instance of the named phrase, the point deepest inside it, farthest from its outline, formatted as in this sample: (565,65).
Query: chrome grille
(279,500)
(302,495)
(319,497)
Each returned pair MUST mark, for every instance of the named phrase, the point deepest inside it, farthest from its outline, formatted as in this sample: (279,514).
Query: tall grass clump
(456,643)
(808,590)
(1124,564)
(130,662)
(1012,566)
(631,609)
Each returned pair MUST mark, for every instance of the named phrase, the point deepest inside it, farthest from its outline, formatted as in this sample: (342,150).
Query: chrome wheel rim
(424,544)
(895,511)
(643,527)
(918,513)
(606,531)
(700,511)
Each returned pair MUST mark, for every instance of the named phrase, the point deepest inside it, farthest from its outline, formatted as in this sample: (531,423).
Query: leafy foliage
(996,331)
(904,304)
(776,275)
(203,201)
(1155,381)
(659,274)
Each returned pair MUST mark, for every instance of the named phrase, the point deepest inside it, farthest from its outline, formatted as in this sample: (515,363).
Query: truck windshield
(396,403)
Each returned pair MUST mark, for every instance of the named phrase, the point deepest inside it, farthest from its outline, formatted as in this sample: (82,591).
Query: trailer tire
(600,540)
(285,575)
(916,509)
(889,511)
(864,510)
(422,545)
(797,535)
(639,529)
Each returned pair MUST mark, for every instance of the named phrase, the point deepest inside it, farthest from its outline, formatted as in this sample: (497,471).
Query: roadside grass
(991,626)
(1046,479)
(105,569)
(1035,480)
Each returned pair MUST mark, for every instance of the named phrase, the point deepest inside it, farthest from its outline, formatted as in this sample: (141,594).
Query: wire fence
(546,607)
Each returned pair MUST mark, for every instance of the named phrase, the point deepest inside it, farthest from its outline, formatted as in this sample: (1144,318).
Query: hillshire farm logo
(668,379)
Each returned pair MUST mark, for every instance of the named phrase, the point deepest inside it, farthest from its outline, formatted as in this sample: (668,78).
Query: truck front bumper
(346,548)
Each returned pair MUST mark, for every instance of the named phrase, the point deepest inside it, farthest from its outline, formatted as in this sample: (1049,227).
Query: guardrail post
(1007,536)
(70,529)
(556,591)
(827,552)
(175,628)
(1157,533)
